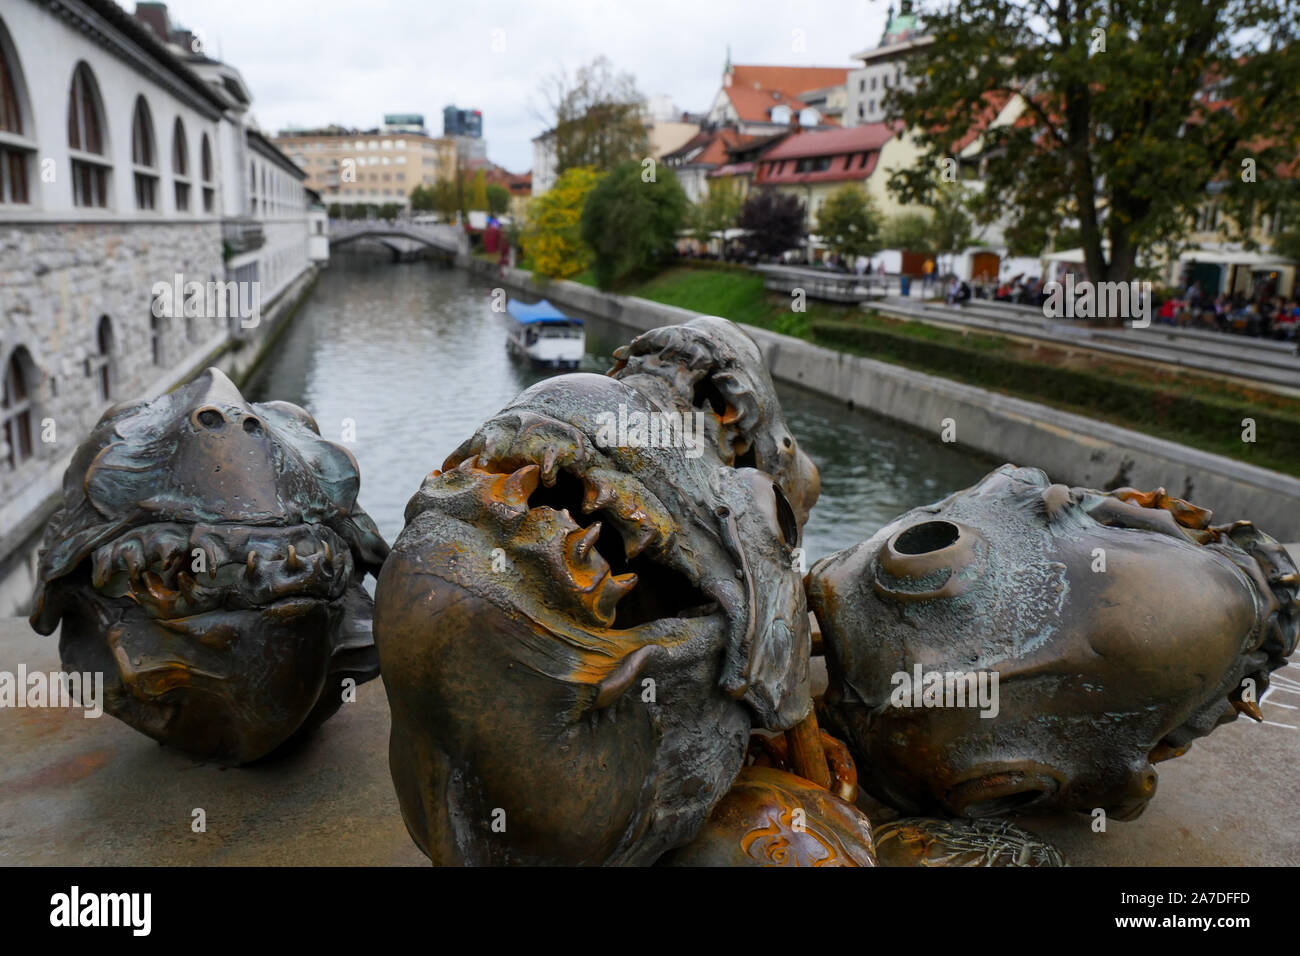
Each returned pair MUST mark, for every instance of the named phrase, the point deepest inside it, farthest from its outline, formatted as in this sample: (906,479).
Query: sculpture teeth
(1249,708)
(637,540)
(102,567)
(252,563)
(159,593)
(520,485)
(292,562)
(586,541)
(550,469)
(596,496)
(614,589)
(131,554)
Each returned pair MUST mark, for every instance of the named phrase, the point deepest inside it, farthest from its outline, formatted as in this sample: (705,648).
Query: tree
(717,212)
(849,222)
(445,199)
(909,232)
(478,192)
(498,199)
(953,229)
(1129,111)
(631,222)
(422,198)
(774,221)
(552,238)
(597,118)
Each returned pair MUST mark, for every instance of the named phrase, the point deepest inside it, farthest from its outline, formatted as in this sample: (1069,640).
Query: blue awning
(539,313)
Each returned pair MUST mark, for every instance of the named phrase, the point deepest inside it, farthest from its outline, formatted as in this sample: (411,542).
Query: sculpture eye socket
(927,537)
(209,418)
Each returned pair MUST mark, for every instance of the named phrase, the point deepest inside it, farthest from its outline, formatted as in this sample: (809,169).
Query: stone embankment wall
(1071,448)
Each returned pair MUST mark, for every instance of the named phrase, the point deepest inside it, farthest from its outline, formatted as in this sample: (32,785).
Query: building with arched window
(127,165)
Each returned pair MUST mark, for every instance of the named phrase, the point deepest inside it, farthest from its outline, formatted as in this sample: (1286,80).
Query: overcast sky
(315,62)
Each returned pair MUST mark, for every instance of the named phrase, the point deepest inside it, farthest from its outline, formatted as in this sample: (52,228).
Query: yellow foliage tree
(552,238)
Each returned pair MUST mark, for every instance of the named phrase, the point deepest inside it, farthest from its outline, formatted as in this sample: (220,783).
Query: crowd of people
(1265,315)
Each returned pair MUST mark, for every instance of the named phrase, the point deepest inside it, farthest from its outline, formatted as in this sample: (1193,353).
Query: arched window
(205,171)
(144,157)
(101,364)
(16,410)
(90,166)
(181,166)
(16,150)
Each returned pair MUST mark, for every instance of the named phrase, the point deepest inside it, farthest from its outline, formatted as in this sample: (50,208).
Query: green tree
(445,199)
(1129,111)
(774,222)
(951,223)
(498,199)
(596,118)
(716,213)
(849,222)
(552,237)
(422,198)
(630,223)
(478,192)
(909,232)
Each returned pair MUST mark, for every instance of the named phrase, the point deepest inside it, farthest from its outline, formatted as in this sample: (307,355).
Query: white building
(884,67)
(544,162)
(126,161)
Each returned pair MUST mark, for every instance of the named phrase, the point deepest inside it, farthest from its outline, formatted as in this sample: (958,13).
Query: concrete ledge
(1071,448)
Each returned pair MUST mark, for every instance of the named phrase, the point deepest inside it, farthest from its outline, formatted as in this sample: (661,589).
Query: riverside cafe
(1228,272)
(1218,270)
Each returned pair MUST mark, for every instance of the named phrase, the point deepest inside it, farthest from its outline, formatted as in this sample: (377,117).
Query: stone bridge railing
(822,283)
(443,237)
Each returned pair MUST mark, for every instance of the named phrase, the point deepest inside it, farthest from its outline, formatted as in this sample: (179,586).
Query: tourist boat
(545,335)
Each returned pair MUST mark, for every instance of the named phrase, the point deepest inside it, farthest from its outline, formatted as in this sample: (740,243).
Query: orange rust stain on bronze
(807,758)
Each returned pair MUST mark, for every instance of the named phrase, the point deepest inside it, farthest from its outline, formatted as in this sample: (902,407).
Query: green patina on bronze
(208,558)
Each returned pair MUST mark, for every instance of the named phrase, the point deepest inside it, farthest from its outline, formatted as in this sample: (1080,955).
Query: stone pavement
(78,791)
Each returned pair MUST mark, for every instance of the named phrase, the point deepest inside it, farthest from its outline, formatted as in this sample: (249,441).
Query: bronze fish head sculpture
(710,364)
(1024,644)
(577,628)
(208,558)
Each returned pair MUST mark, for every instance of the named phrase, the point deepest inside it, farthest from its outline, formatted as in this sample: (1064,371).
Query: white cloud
(332,61)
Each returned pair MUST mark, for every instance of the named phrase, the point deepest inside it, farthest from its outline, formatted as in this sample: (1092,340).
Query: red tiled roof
(871,136)
(733,169)
(754,90)
(715,143)
(852,153)
(793,79)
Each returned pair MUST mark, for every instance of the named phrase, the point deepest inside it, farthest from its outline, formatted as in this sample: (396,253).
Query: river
(408,359)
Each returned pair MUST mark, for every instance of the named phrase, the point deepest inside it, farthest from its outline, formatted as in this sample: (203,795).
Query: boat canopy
(540,313)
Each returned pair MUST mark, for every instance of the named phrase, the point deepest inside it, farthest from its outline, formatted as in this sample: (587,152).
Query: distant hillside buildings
(372,167)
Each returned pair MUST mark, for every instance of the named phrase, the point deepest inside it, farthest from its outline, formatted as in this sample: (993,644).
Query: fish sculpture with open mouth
(208,558)
(1112,628)
(577,631)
